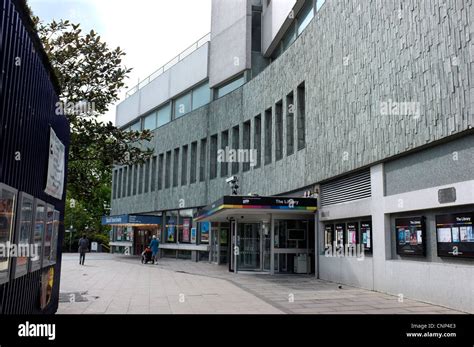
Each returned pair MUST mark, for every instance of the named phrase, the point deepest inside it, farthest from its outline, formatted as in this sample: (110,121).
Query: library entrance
(262,234)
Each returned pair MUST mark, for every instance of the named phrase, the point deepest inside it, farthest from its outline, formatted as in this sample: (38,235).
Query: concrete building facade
(365,105)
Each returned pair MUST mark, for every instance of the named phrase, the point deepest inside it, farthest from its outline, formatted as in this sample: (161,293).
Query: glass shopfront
(294,245)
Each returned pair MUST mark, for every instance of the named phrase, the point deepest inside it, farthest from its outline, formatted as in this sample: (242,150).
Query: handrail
(206,38)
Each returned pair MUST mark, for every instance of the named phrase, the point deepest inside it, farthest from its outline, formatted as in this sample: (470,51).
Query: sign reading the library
(410,235)
(56,166)
(455,235)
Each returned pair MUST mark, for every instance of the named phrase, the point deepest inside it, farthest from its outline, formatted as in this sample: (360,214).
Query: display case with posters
(328,235)
(24,228)
(205,227)
(38,234)
(8,198)
(352,229)
(340,229)
(366,235)
(47,283)
(410,236)
(54,240)
(455,235)
(48,236)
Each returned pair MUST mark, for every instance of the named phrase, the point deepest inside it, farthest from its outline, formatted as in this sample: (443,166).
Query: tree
(90,75)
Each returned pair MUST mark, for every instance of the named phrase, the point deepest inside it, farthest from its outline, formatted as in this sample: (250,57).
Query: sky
(151,32)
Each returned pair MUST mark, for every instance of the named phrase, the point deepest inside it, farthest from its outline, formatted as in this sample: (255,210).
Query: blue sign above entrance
(130,219)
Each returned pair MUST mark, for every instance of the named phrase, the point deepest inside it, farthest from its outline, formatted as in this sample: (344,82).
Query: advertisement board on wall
(455,235)
(24,227)
(205,227)
(410,236)
(366,235)
(186,226)
(7,215)
(56,167)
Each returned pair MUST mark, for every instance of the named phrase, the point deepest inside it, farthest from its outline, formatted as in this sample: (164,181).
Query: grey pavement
(121,284)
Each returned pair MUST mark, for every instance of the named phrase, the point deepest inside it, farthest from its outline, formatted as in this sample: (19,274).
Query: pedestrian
(83,248)
(154,245)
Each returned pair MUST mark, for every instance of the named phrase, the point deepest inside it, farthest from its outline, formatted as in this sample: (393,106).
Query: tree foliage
(90,75)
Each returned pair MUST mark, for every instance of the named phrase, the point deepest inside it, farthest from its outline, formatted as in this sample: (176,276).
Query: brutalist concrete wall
(381,78)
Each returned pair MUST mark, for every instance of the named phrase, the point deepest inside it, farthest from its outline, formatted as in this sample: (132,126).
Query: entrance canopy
(233,206)
(131,220)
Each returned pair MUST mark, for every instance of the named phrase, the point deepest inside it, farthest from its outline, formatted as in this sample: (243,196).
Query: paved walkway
(120,284)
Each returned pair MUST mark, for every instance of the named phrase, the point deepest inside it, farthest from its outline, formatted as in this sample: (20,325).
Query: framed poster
(340,230)
(410,235)
(352,233)
(328,235)
(186,226)
(38,234)
(455,235)
(8,198)
(193,235)
(366,235)
(54,240)
(171,231)
(205,227)
(48,236)
(47,282)
(24,227)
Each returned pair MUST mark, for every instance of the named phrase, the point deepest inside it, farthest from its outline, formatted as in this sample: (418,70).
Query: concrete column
(380,227)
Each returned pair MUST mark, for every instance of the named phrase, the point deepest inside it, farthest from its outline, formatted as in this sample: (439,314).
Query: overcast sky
(151,32)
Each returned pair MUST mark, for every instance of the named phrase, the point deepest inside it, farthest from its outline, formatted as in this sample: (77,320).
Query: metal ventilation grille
(353,187)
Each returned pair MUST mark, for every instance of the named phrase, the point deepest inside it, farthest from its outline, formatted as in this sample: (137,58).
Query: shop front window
(7,216)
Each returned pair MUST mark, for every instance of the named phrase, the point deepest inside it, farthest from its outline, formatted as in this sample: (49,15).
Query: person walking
(83,248)
(154,245)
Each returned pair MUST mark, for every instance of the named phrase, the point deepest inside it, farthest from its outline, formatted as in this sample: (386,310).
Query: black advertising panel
(352,233)
(410,234)
(455,235)
(340,229)
(366,235)
(328,235)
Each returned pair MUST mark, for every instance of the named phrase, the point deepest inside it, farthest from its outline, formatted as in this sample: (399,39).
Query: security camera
(231,179)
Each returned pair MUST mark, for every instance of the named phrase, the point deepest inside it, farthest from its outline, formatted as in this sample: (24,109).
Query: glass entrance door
(249,240)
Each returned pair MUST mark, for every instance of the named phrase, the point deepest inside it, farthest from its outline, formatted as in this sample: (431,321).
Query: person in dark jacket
(83,248)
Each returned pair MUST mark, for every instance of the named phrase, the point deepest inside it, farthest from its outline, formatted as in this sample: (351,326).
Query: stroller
(147,256)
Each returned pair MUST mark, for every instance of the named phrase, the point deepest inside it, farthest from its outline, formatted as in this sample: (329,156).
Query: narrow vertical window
(224,144)
(236,147)
(290,126)
(153,173)
(175,167)
(192,175)
(168,170)
(161,159)
(213,158)
(141,178)
(135,174)
(202,168)
(146,176)
(184,166)
(301,116)
(129,181)
(279,130)
(257,139)
(246,147)
(124,182)
(268,136)
(119,184)
(114,185)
